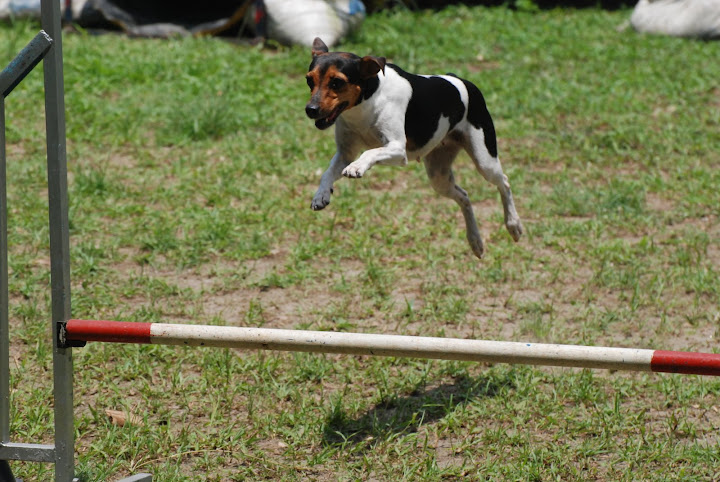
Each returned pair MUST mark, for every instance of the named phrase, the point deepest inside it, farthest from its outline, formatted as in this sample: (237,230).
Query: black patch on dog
(369,86)
(431,98)
(479,117)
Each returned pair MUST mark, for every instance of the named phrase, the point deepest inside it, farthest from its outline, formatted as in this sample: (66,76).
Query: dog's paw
(476,245)
(354,170)
(321,199)
(515,229)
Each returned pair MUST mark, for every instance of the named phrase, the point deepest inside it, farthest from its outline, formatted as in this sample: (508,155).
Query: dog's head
(336,81)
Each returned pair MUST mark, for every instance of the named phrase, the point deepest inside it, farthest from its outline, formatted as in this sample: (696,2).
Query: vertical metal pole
(59,241)
(4,323)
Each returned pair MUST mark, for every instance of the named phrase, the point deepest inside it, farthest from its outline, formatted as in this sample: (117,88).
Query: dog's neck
(369,87)
(365,107)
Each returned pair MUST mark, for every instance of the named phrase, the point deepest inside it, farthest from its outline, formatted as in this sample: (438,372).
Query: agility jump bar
(631,359)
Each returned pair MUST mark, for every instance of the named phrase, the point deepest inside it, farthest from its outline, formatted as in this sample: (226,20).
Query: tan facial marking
(313,75)
(334,89)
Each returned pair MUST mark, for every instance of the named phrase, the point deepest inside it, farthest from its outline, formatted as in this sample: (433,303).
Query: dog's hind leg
(438,165)
(489,166)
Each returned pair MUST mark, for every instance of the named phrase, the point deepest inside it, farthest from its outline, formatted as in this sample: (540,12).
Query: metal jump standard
(69,333)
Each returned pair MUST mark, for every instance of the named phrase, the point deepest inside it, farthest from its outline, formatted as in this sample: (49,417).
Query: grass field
(192,166)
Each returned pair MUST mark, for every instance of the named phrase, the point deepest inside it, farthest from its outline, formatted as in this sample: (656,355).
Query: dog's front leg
(331,174)
(393,154)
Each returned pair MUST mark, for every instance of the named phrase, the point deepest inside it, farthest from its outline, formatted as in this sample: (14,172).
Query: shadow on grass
(406,414)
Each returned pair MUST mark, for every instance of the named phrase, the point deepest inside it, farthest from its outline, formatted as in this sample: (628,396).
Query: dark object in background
(284,21)
(144,18)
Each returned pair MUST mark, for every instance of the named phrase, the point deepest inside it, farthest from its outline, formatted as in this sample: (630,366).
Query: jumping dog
(398,116)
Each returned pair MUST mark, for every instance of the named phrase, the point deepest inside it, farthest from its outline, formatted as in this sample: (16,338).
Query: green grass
(192,167)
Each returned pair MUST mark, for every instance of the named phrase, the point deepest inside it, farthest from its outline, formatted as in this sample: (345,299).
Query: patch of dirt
(656,202)
(246,303)
(715,97)
(15,151)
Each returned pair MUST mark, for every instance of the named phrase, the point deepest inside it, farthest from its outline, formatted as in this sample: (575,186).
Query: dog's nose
(312,111)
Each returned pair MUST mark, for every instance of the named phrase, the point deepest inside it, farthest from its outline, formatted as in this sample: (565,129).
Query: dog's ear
(319,47)
(370,66)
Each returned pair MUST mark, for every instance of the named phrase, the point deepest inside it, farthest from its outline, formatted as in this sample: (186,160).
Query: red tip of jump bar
(689,363)
(110,331)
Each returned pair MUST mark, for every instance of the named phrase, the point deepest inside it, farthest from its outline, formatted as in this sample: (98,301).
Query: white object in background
(681,18)
(19,8)
(300,21)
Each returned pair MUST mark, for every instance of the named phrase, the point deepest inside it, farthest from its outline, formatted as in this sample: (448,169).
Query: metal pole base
(137,478)
(6,474)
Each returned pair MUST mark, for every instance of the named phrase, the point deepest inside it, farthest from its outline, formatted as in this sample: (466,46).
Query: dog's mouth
(330,119)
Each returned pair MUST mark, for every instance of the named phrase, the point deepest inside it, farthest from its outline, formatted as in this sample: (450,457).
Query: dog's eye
(310,82)
(336,84)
